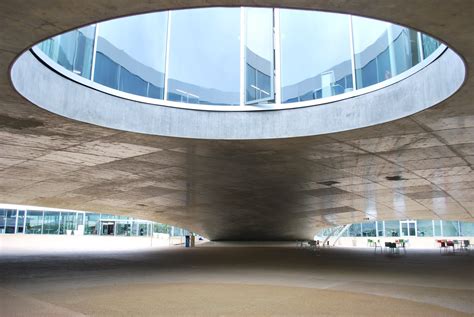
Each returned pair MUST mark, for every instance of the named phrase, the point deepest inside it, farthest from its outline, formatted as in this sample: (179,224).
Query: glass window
(392,228)
(424,228)
(72,50)
(450,228)
(258,55)
(368,229)
(355,230)
(124,228)
(315,55)
(123,63)
(34,221)
(10,221)
(92,224)
(382,50)
(143,229)
(2,220)
(161,228)
(51,222)
(467,229)
(429,45)
(204,56)
(68,222)
(21,221)
(437,228)
(380,231)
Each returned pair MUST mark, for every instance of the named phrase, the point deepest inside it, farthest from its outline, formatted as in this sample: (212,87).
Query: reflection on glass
(467,229)
(437,228)
(123,228)
(315,58)
(450,228)
(355,230)
(21,221)
(68,222)
(382,50)
(392,228)
(72,50)
(92,224)
(424,228)
(202,52)
(131,54)
(368,229)
(34,221)
(380,230)
(258,55)
(51,222)
(204,56)
(10,221)
(2,221)
(429,45)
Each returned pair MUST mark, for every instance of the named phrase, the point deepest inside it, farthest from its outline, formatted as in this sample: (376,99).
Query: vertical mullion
(277,55)
(16,222)
(94,51)
(167,57)
(351,40)
(420,46)
(243,30)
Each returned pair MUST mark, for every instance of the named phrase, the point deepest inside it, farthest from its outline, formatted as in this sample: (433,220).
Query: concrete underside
(237,279)
(260,189)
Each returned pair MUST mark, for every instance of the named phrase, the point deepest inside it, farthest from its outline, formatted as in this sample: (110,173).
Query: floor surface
(237,279)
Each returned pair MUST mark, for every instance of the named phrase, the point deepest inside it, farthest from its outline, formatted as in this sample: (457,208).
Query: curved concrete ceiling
(266,189)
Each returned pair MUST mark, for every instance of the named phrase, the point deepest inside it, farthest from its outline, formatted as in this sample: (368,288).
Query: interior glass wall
(130,54)
(315,59)
(259,55)
(72,50)
(204,56)
(382,50)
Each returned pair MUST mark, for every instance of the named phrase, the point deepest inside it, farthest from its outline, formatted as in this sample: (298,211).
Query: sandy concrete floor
(236,279)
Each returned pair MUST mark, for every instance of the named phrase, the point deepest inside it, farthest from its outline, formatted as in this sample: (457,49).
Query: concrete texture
(256,189)
(238,279)
(55,93)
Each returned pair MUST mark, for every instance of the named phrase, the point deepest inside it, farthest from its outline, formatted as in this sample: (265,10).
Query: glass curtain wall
(259,55)
(315,59)
(382,50)
(227,56)
(72,50)
(68,222)
(409,228)
(123,63)
(34,222)
(51,222)
(204,56)
(10,221)
(424,228)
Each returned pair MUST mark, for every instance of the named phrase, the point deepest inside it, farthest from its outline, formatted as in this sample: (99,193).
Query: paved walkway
(238,279)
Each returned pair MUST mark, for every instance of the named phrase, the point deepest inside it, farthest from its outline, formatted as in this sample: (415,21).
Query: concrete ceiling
(272,189)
